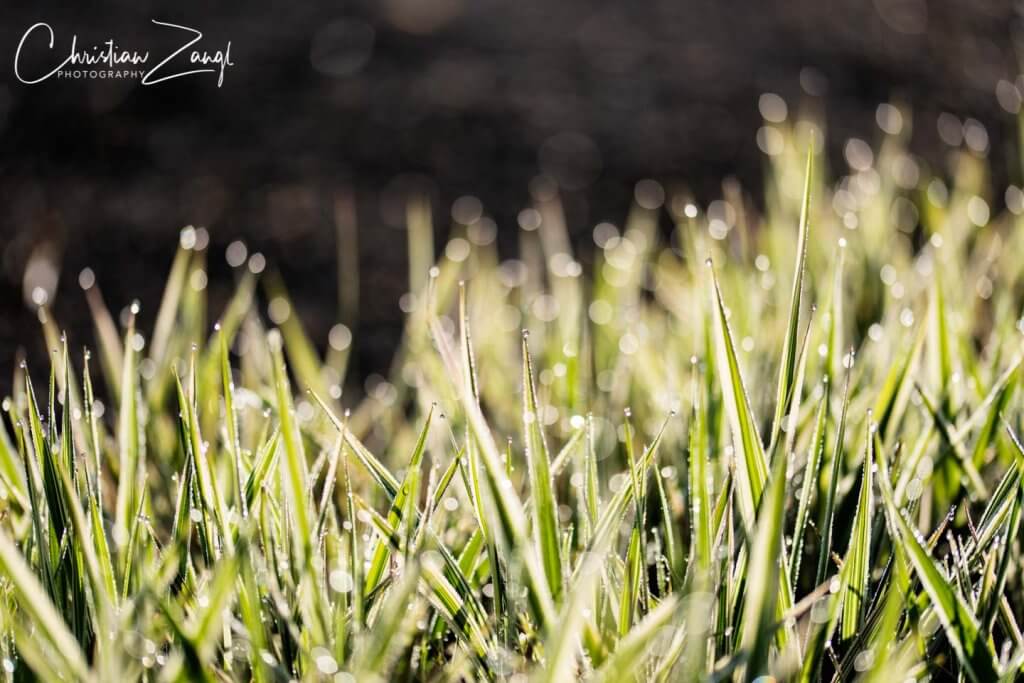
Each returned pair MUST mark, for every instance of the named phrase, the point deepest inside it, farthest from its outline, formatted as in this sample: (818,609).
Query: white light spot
(978,211)
(772,107)
(889,118)
(236,253)
(86,278)
(340,337)
(457,250)
(769,140)
(279,310)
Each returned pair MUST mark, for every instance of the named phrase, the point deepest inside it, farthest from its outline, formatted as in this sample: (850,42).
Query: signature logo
(110,60)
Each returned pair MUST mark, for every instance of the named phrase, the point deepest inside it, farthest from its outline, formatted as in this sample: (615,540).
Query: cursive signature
(109,58)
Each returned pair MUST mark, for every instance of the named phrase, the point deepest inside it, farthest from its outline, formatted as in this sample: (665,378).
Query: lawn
(719,442)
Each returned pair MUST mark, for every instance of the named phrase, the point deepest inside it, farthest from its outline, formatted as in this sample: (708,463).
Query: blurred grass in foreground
(778,444)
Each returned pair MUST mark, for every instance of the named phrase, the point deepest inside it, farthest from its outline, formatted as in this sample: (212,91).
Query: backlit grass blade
(266,457)
(377,470)
(890,404)
(958,621)
(591,489)
(446,479)
(355,560)
(998,392)
(92,429)
(815,453)
(545,523)
(325,509)
(398,506)
(751,463)
(217,599)
(446,599)
(835,319)
(996,510)
(249,607)
(700,485)
(103,594)
(102,550)
(226,329)
(181,528)
(763,574)
(630,652)
(752,466)
(32,598)
(195,450)
(563,641)
(827,519)
(787,367)
(507,510)
(127,437)
(564,456)
(857,564)
(472,476)
(110,347)
(976,485)
(10,468)
(42,495)
(992,598)
(381,646)
(631,582)
(672,552)
(791,426)
(231,423)
(1001,396)
(939,346)
(166,316)
(615,510)
(296,474)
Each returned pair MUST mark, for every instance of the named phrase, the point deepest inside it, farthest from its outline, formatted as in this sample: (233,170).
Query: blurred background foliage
(337,112)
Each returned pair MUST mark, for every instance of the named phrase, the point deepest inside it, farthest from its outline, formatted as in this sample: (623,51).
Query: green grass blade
(296,473)
(563,641)
(630,652)
(828,512)
(506,509)
(763,574)
(381,553)
(127,438)
(32,598)
(231,422)
(699,485)
(787,368)
(857,565)
(752,465)
(545,523)
(958,621)
(810,483)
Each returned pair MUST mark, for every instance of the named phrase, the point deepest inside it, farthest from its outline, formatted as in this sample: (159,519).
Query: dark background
(328,98)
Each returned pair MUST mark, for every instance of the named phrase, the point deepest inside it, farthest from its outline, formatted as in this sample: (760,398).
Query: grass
(751,445)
